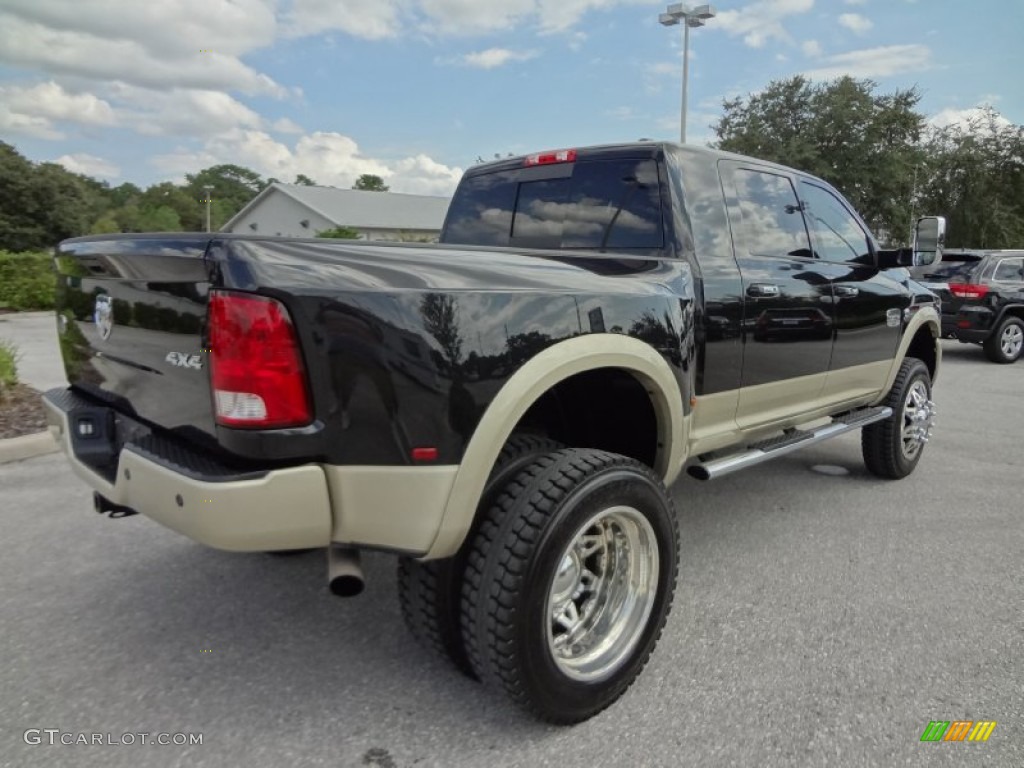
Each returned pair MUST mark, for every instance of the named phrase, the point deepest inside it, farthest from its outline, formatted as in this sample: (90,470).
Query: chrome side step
(756,453)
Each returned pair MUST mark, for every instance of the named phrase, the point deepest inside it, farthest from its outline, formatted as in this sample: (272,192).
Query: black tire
(886,453)
(429,592)
(1006,343)
(522,545)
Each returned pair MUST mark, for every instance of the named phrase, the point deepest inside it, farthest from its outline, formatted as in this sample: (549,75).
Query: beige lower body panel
(783,404)
(398,508)
(284,509)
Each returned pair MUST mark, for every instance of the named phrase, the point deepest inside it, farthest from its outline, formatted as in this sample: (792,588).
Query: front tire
(569,581)
(892,448)
(1005,345)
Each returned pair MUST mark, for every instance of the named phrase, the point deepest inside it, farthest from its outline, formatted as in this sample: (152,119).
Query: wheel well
(605,408)
(923,348)
(1016,311)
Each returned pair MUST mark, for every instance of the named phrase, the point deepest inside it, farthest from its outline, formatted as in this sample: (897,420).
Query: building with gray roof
(302,211)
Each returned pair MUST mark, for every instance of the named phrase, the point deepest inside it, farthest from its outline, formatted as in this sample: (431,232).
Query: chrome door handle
(762,290)
(846,291)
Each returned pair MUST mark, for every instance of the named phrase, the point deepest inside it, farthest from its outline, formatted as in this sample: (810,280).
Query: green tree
(162,218)
(41,204)
(189,212)
(105,225)
(865,143)
(20,229)
(304,180)
(974,176)
(369,182)
(342,233)
(232,186)
(124,193)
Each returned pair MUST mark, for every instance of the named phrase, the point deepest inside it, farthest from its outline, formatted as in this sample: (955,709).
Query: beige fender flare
(924,317)
(554,364)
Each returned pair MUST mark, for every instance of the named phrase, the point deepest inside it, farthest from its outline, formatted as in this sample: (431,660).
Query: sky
(416,91)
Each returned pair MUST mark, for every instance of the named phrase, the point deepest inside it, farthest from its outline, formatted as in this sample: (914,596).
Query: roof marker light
(551,158)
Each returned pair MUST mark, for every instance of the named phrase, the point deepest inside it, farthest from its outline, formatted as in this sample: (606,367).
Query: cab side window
(771,224)
(836,233)
(1010,271)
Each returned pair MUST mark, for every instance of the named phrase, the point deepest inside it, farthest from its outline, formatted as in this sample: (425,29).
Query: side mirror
(929,239)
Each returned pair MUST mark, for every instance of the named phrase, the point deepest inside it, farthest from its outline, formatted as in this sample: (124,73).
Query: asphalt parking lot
(820,620)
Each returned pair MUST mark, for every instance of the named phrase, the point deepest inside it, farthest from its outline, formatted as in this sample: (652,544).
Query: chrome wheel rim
(1011,340)
(918,419)
(602,594)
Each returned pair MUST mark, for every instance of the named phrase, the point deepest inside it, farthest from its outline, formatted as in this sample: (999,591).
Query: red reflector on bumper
(424,454)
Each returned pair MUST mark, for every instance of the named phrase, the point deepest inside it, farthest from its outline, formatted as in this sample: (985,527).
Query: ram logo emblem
(103,316)
(184,360)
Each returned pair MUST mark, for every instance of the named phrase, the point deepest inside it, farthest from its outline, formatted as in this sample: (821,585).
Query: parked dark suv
(982,296)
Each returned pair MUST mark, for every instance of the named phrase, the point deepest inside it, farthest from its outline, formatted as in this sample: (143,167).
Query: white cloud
(370,19)
(182,112)
(855,23)
(462,17)
(230,27)
(856,2)
(883,61)
(51,101)
(811,48)
(967,119)
(147,60)
(495,57)
(761,21)
(376,19)
(329,158)
(90,165)
(17,124)
(33,111)
(665,68)
(561,15)
(423,176)
(285,125)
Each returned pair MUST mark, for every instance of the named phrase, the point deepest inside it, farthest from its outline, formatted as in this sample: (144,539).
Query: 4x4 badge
(184,360)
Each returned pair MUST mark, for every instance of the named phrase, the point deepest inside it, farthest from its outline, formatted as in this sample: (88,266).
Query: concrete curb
(27,447)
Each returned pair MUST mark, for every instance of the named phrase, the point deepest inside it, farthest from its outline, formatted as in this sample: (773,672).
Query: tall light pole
(209,190)
(680,14)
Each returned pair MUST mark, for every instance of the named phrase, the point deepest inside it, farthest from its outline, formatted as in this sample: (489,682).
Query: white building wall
(278,214)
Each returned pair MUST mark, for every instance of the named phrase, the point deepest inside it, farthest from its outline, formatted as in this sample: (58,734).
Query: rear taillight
(551,158)
(968,290)
(256,368)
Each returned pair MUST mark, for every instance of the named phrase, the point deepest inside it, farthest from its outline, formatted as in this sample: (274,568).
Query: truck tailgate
(131,317)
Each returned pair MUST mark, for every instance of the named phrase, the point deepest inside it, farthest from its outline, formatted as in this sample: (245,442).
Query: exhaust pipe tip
(344,571)
(346,586)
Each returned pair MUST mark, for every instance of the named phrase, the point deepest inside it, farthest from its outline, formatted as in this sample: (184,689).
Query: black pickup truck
(504,410)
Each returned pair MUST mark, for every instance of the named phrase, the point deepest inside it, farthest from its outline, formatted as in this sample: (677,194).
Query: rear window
(953,265)
(595,205)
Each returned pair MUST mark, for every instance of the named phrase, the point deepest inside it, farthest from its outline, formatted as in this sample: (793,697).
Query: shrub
(342,233)
(27,280)
(8,366)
